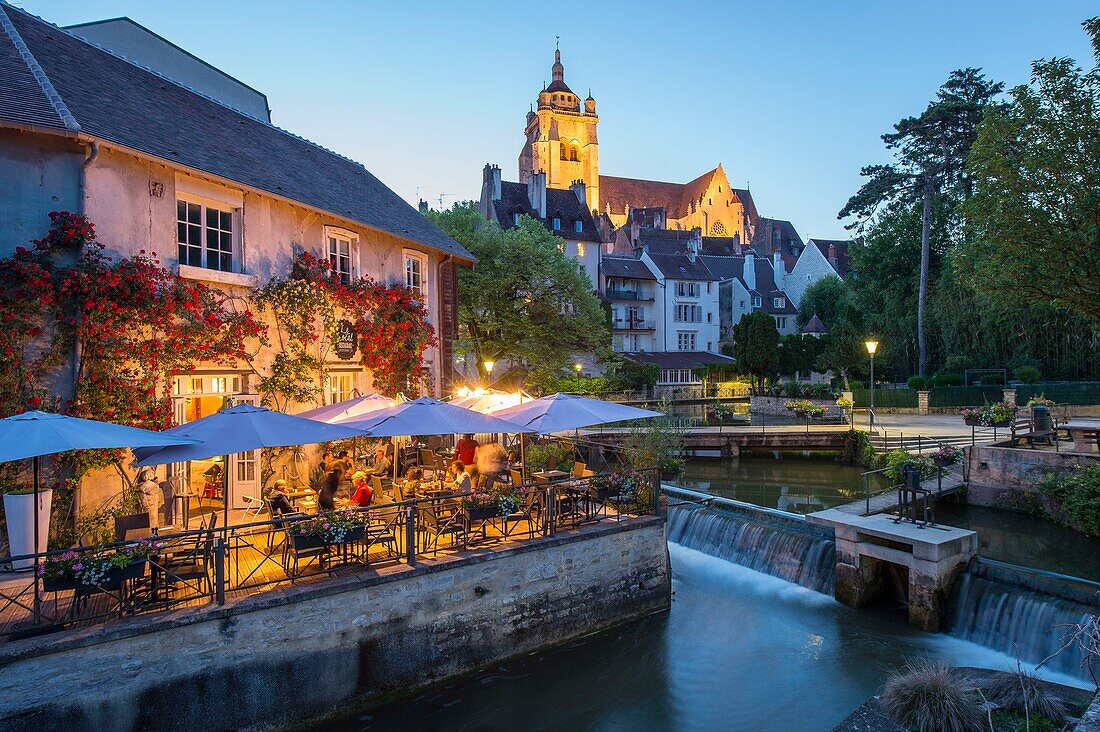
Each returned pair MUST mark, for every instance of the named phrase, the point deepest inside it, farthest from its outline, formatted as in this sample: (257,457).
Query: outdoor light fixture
(488,366)
(872,346)
(578,367)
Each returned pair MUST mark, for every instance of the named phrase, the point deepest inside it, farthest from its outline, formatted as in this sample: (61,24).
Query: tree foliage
(525,303)
(756,347)
(1034,218)
(842,349)
(827,299)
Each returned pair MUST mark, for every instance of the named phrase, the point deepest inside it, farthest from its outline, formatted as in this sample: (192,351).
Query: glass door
(244,467)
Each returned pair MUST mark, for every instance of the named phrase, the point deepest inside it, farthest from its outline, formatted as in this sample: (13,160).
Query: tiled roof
(814,326)
(745,198)
(677,359)
(675,198)
(120,102)
(726,268)
(26,95)
(680,267)
(722,246)
(773,235)
(560,202)
(625,268)
(843,264)
(665,241)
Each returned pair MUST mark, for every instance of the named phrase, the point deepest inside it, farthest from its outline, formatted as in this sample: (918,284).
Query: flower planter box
(942,462)
(1001,423)
(482,513)
(112,581)
(355,534)
(303,542)
(972,421)
(59,584)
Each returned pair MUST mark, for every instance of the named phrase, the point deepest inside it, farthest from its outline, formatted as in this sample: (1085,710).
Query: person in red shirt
(465,449)
(361,498)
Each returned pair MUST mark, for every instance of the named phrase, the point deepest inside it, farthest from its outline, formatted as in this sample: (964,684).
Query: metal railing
(627,295)
(633,324)
(207,565)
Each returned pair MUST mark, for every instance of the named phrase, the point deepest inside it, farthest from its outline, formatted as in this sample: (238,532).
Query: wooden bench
(1022,431)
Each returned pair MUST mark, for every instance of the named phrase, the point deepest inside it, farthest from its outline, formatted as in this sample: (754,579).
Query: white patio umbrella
(241,429)
(349,408)
(34,434)
(488,401)
(563,412)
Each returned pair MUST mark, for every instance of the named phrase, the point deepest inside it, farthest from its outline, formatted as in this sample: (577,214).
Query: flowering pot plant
(999,414)
(499,501)
(623,487)
(805,408)
(946,455)
(94,569)
(333,527)
(972,415)
(844,403)
(897,460)
(1040,401)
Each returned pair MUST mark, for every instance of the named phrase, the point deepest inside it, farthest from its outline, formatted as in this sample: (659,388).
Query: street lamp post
(578,368)
(489,364)
(872,346)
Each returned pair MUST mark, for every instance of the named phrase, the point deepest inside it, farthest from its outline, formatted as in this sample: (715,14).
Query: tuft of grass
(1022,692)
(931,697)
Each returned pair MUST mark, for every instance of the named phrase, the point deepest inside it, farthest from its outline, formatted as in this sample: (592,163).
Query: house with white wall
(820,258)
(748,283)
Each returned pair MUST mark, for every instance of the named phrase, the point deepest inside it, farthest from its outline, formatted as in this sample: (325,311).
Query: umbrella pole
(522,460)
(37,498)
(225,493)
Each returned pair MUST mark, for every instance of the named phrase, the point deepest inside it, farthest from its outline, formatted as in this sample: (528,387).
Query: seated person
(361,497)
(452,471)
(326,497)
(277,500)
(383,466)
(463,479)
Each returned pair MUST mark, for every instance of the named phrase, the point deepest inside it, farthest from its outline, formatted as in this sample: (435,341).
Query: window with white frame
(205,235)
(685,341)
(687,289)
(781,322)
(341,386)
(416,265)
(515,219)
(679,376)
(343,254)
(757,301)
(688,313)
(779,302)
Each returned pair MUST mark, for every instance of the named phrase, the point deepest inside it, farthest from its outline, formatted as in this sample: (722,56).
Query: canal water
(739,650)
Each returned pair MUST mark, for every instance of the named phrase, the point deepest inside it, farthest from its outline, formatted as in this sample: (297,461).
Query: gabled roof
(843,263)
(680,267)
(626,268)
(560,202)
(772,235)
(814,326)
(116,101)
(745,197)
(675,198)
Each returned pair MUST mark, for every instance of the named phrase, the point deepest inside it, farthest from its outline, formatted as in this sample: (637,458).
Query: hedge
(964,396)
(1078,392)
(885,397)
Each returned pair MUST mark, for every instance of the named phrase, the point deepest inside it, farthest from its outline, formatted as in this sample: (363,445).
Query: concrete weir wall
(1008,478)
(303,653)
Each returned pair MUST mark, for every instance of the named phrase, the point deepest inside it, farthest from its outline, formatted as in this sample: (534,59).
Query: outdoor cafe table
(1084,434)
(550,474)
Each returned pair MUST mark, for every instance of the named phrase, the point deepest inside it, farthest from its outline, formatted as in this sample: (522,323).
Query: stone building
(224,197)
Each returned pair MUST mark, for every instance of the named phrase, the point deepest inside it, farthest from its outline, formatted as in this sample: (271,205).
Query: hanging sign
(346,341)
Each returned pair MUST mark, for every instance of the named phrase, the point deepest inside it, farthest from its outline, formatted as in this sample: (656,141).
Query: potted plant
(972,416)
(999,414)
(805,408)
(480,505)
(334,527)
(104,570)
(946,455)
(1040,401)
(19,515)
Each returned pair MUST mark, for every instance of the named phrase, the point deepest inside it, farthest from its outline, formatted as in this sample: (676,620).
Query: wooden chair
(517,477)
(578,469)
(135,523)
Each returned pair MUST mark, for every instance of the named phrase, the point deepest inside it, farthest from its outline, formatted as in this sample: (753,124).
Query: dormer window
(578,226)
(557,224)
(515,219)
(757,301)
(779,302)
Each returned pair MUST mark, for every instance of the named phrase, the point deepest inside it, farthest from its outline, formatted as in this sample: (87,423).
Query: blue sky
(789,96)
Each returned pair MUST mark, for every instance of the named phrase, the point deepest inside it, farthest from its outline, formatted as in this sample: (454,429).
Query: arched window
(564,151)
(718,229)
(574,154)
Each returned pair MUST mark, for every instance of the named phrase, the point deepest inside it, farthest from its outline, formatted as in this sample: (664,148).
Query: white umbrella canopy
(427,416)
(563,412)
(349,408)
(488,401)
(32,434)
(240,429)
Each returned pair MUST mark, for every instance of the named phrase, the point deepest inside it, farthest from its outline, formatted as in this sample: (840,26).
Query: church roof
(745,197)
(51,79)
(560,202)
(675,198)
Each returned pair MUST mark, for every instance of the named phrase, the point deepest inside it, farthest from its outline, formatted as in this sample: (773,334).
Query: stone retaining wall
(775,405)
(1009,477)
(303,653)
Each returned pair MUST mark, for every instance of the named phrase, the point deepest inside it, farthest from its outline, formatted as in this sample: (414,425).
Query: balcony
(633,324)
(628,295)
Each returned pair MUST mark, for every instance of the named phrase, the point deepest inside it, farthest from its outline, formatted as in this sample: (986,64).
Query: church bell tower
(561,138)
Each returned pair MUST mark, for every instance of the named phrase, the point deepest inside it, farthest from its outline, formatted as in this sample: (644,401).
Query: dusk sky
(790,97)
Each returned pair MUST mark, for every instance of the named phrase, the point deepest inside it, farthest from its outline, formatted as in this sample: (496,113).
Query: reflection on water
(1028,540)
(739,650)
(793,482)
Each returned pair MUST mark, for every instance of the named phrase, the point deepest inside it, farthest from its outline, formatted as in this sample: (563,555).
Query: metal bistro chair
(532,509)
(132,526)
(441,519)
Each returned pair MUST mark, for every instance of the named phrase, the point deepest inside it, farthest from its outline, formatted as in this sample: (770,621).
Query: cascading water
(802,558)
(1017,621)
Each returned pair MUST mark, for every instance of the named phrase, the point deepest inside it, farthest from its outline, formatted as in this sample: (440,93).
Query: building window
(515,219)
(580,246)
(578,226)
(415,266)
(685,341)
(710,345)
(779,302)
(780,322)
(204,235)
(564,151)
(687,289)
(342,255)
(557,224)
(686,313)
(742,304)
(757,302)
(709,320)
(341,387)
(574,154)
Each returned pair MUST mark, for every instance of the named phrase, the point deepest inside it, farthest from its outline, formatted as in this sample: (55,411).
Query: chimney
(750,270)
(536,193)
(423,206)
(491,177)
(578,188)
(780,270)
(694,244)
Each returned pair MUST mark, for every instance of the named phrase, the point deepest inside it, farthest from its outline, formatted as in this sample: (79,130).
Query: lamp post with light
(578,368)
(489,364)
(872,346)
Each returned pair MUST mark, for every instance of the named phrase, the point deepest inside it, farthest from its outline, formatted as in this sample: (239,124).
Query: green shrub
(895,459)
(947,380)
(991,380)
(817,391)
(856,384)
(858,449)
(537,457)
(930,697)
(1026,374)
(1078,495)
(1022,692)
(916,383)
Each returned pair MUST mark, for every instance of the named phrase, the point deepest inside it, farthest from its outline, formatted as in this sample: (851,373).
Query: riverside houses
(220,194)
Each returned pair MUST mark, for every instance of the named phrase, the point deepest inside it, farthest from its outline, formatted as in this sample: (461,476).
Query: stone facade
(1009,477)
(304,653)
